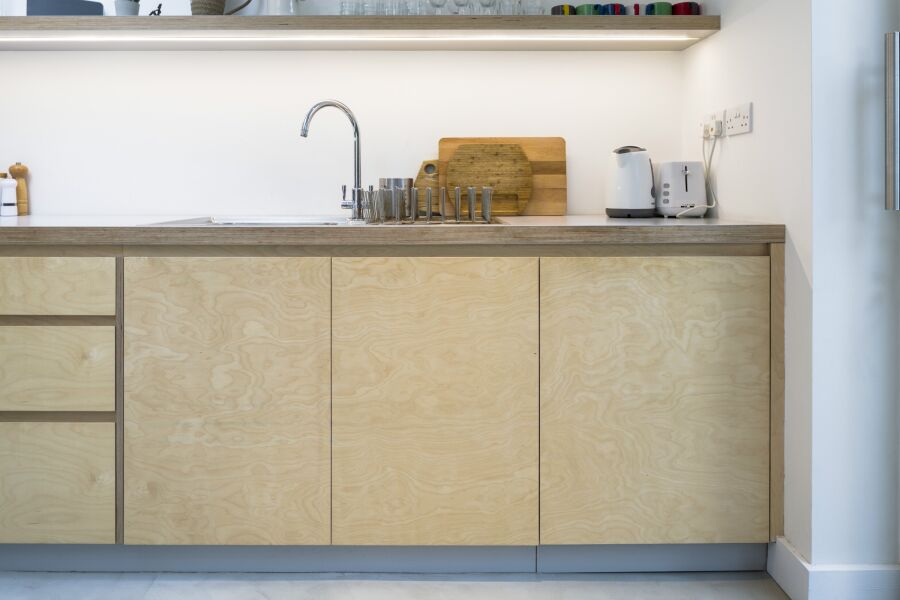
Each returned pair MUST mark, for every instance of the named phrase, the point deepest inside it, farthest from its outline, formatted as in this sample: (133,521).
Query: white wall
(196,133)
(856,257)
(762,55)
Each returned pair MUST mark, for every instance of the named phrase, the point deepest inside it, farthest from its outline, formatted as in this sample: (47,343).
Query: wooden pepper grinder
(19,172)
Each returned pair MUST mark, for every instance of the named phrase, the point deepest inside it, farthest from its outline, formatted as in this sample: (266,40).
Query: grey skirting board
(384,559)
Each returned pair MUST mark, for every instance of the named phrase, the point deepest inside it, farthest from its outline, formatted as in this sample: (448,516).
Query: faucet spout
(304,131)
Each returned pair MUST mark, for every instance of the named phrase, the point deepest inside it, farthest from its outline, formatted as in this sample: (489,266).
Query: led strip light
(357,38)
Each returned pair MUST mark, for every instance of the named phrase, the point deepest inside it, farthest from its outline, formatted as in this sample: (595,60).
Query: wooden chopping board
(548,167)
(504,167)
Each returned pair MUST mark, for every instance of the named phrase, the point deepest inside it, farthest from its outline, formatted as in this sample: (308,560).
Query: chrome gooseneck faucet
(355,204)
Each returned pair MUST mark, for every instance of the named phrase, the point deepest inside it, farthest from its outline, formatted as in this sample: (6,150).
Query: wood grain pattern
(57,368)
(57,286)
(25,239)
(776,469)
(357,33)
(654,400)
(57,483)
(460,250)
(701,25)
(120,400)
(503,167)
(227,400)
(547,155)
(435,421)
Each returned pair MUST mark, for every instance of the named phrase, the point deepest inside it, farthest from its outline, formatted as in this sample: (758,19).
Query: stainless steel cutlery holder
(399,205)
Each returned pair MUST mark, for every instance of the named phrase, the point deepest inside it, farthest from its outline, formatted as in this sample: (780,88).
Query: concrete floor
(199,586)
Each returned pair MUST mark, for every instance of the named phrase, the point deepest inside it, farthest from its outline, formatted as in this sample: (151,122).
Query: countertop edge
(463,235)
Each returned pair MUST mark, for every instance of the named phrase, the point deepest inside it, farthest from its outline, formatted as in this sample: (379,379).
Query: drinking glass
(463,7)
(373,7)
(351,7)
(488,7)
(510,7)
(532,7)
(438,6)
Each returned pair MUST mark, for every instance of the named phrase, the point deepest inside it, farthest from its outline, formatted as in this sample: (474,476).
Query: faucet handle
(344,202)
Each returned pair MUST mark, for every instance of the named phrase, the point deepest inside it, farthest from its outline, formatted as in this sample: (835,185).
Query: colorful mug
(589,9)
(658,8)
(614,9)
(563,9)
(686,8)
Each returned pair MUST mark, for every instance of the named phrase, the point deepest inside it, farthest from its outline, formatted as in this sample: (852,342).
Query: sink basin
(288,221)
(259,221)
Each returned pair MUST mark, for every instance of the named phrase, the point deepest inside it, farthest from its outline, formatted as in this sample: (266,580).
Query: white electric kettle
(631,192)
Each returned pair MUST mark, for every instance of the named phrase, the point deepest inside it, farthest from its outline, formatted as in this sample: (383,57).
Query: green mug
(658,8)
(589,9)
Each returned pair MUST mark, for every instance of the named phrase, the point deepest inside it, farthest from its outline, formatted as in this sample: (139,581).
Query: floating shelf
(356,33)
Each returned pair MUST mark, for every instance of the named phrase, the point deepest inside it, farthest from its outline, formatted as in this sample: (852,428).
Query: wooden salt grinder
(19,172)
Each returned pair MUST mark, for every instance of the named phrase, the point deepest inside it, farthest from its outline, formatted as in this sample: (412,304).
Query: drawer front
(57,368)
(57,483)
(57,286)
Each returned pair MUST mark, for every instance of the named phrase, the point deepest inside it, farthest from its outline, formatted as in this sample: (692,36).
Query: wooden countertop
(568,230)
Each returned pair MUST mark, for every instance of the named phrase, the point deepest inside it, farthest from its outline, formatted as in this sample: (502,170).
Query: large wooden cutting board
(547,156)
(503,167)
(548,167)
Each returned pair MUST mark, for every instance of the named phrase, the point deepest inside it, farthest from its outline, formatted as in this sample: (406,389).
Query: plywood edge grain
(58,416)
(414,235)
(120,400)
(776,411)
(56,320)
(700,26)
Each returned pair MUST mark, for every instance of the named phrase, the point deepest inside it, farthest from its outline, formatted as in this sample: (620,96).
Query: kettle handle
(237,8)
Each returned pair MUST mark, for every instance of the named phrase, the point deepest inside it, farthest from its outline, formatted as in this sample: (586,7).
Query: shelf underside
(356,33)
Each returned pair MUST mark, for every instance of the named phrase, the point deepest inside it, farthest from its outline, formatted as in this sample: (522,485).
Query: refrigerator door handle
(892,121)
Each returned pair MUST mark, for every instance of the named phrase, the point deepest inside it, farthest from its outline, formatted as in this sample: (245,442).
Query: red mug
(686,8)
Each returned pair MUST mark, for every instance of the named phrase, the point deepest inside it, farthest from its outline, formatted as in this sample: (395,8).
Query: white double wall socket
(739,119)
(734,121)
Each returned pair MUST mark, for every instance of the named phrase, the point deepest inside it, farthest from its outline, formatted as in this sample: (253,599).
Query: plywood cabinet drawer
(57,368)
(57,286)
(57,483)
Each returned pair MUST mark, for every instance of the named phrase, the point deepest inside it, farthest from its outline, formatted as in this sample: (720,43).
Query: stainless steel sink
(258,221)
(275,221)
(288,221)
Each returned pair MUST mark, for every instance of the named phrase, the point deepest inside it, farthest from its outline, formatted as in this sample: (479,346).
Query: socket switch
(739,119)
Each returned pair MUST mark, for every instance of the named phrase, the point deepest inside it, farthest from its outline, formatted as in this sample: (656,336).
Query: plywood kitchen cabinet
(57,483)
(227,408)
(57,368)
(41,285)
(654,400)
(435,401)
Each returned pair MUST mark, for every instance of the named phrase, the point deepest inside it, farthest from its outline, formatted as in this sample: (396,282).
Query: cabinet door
(57,483)
(654,400)
(227,400)
(435,401)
